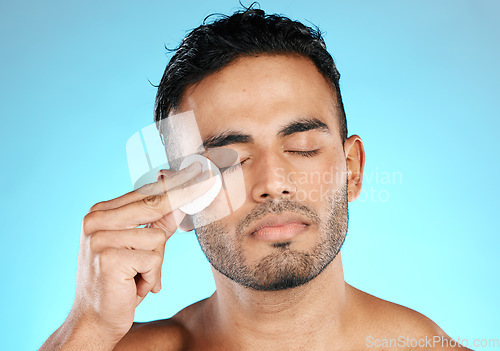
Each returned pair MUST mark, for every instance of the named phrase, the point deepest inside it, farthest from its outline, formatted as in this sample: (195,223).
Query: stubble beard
(284,268)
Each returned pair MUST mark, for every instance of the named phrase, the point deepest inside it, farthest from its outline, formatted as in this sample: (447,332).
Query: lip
(278,227)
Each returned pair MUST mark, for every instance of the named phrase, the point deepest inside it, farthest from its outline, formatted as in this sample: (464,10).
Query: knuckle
(152,201)
(95,241)
(151,259)
(108,258)
(97,207)
(157,258)
(161,236)
(89,221)
(143,257)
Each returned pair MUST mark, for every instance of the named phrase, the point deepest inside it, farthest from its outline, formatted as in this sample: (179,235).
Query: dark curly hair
(250,32)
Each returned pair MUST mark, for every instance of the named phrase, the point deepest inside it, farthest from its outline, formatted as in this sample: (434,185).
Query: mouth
(279,227)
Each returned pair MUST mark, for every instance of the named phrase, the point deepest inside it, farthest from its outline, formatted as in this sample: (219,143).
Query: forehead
(260,90)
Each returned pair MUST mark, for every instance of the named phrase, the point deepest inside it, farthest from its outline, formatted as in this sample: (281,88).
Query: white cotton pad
(206,199)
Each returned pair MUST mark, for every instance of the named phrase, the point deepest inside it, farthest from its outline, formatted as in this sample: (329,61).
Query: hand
(119,263)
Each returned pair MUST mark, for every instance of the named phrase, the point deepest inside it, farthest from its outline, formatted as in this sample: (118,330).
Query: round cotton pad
(206,199)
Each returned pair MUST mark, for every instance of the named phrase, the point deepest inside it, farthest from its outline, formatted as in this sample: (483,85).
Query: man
(265,87)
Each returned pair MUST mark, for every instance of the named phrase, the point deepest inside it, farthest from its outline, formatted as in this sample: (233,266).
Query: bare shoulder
(166,334)
(391,316)
(172,334)
(407,329)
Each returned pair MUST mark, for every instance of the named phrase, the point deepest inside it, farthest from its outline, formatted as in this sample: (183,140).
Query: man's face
(280,115)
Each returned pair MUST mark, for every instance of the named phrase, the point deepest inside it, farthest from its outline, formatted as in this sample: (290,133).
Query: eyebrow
(303,125)
(230,137)
(226,138)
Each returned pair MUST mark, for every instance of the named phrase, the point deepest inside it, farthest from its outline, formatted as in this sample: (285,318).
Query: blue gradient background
(420,82)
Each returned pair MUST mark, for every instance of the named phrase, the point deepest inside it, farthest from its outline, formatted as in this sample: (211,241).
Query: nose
(273,179)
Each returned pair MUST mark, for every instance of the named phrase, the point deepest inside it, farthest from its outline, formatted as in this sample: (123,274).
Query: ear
(355,164)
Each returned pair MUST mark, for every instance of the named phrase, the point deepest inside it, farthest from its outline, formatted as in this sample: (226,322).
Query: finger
(127,264)
(156,289)
(149,280)
(171,180)
(149,209)
(133,239)
(170,222)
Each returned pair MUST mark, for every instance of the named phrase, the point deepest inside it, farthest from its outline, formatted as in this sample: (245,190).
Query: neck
(308,315)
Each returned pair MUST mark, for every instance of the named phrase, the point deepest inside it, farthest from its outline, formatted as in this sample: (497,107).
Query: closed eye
(308,153)
(233,167)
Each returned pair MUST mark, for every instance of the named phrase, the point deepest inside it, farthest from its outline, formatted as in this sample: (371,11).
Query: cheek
(316,185)
(231,197)
(217,210)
